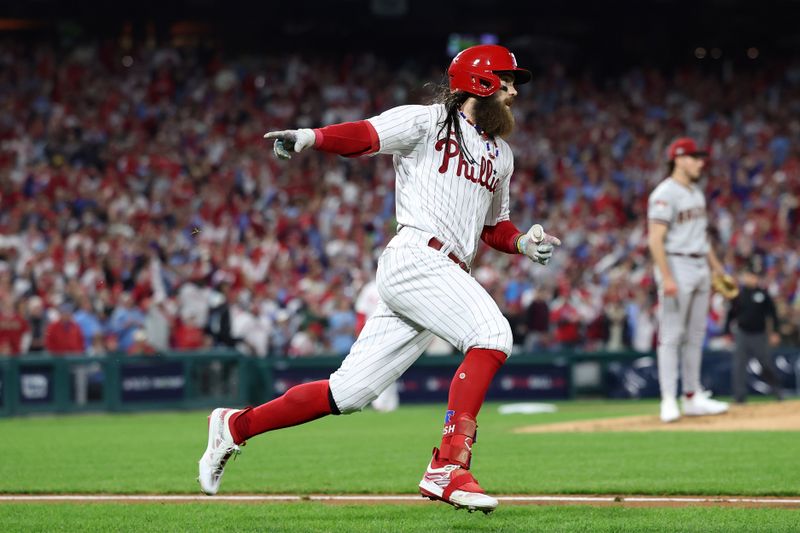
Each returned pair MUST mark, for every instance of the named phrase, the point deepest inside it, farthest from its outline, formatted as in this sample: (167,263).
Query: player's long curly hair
(452,102)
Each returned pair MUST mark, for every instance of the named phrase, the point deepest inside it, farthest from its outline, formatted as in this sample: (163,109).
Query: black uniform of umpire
(750,311)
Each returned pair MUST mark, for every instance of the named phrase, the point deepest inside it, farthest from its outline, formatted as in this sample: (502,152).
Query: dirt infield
(783,416)
(405,499)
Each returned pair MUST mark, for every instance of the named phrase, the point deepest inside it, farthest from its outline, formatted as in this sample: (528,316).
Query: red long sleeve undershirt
(352,139)
(502,236)
(349,139)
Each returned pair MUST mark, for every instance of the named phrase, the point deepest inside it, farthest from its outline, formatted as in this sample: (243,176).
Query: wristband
(517,243)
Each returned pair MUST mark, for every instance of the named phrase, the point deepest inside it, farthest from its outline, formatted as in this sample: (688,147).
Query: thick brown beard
(493,116)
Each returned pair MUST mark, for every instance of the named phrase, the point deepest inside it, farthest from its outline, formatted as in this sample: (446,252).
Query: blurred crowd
(141,210)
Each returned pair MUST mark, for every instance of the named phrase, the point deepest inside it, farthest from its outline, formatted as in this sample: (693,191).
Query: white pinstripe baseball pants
(423,293)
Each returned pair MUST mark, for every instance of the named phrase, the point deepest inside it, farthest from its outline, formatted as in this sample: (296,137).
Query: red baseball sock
(468,389)
(301,403)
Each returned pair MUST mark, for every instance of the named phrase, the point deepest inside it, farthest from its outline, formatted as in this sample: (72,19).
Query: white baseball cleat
(701,404)
(669,410)
(440,484)
(220,448)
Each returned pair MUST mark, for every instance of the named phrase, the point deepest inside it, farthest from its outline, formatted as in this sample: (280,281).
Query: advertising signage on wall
(152,382)
(35,385)
(545,381)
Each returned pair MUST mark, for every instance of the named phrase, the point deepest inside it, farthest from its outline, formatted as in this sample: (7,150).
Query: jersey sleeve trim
(374,139)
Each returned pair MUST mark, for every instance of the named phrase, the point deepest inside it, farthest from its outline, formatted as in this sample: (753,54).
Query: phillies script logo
(484,175)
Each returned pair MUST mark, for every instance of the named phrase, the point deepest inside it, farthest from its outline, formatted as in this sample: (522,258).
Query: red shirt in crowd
(568,326)
(63,337)
(12,328)
(187,337)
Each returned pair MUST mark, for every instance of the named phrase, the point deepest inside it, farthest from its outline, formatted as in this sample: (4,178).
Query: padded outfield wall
(45,384)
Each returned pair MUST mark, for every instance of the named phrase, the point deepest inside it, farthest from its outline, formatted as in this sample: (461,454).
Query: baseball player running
(452,181)
(679,245)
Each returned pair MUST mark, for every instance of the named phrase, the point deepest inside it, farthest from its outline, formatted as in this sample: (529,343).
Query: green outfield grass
(313,517)
(386,453)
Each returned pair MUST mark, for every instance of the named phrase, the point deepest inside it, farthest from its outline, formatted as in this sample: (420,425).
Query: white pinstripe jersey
(684,210)
(438,189)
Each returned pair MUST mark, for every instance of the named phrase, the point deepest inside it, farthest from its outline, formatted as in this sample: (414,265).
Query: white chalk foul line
(145,498)
(645,499)
(380,498)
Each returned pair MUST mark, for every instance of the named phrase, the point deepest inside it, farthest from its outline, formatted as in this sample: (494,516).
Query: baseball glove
(725,285)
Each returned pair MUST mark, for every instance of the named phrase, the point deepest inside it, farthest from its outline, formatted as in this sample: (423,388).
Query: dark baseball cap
(684,146)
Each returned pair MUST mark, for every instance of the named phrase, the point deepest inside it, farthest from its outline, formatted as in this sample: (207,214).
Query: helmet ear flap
(476,83)
(487,84)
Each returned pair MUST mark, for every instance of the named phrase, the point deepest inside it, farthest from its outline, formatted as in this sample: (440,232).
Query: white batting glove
(288,141)
(538,245)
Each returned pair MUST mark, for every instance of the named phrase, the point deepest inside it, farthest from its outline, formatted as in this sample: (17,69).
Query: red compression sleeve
(502,236)
(298,405)
(350,139)
(467,391)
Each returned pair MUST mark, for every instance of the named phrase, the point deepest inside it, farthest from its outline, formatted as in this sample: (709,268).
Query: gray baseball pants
(682,325)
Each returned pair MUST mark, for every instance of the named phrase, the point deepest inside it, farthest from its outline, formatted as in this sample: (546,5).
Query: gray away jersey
(438,189)
(684,210)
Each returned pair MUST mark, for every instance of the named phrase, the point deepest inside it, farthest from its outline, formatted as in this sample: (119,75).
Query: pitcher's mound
(784,416)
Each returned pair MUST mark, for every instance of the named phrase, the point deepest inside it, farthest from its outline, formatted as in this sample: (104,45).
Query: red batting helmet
(684,146)
(474,70)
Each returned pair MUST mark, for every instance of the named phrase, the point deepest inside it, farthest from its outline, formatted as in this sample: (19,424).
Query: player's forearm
(349,139)
(659,256)
(503,236)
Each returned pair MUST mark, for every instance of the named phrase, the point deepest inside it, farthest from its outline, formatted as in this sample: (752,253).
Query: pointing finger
(552,240)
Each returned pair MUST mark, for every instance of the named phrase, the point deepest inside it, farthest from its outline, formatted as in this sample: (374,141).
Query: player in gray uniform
(678,240)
